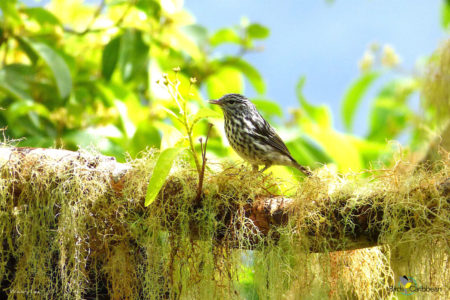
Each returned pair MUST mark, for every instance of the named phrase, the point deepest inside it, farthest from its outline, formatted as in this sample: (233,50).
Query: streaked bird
(252,137)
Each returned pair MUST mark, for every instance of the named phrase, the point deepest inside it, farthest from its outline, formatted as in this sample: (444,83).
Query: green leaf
(320,114)
(445,14)
(15,79)
(258,31)
(227,80)
(25,46)
(133,56)
(110,56)
(146,135)
(268,108)
(160,173)
(196,33)
(353,97)
(41,15)
(390,113)
(307,153)
(10,12)
(57,65)
(249,71)
(224,35)
(23,107)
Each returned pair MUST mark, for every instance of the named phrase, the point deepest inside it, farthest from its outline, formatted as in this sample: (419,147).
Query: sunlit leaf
(258,31)
(339,147)
(57,65)
(224,35)
(160,173)
(354,96)
(249,71)
(9,11)
(171,136)
(227,80)
(110,56)
(41,15)
(268,108)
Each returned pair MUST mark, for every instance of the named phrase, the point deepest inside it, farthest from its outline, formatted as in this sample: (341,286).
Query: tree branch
(343,222)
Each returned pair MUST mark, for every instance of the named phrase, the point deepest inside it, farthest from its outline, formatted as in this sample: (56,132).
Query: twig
(201,175)
(97,13)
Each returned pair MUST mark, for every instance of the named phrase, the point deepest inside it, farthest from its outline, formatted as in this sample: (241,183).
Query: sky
(324,42)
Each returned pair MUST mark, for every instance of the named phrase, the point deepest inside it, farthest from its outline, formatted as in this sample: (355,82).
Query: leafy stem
(173,88)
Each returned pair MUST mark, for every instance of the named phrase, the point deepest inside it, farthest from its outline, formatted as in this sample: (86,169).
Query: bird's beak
(214,102)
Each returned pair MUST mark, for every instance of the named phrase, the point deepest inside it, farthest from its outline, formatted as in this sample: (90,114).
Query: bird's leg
(255,168)
(265,167)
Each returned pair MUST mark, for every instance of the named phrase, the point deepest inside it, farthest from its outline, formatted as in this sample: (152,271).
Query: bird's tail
(302,169)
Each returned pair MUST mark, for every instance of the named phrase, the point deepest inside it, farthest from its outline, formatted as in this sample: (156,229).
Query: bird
(252,137)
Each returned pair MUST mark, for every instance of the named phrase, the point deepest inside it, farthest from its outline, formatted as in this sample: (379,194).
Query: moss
(68,233)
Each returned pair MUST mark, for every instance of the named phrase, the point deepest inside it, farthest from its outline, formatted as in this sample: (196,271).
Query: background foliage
(75,75)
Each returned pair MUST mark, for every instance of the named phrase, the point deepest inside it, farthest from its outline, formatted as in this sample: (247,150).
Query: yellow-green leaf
(160,173)
(353,97)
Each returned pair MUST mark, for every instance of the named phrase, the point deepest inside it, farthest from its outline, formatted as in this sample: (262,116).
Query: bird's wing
(266,133)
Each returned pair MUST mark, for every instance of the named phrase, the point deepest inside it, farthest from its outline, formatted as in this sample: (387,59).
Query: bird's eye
(231,102)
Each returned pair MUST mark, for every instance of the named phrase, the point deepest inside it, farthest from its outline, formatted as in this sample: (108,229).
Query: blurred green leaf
(249,71)
(197,33)
(268,109)
(9,9)
(390,113)
(57,65)
(388,118)
(160,173)
(445,14)
(26,47)
(258,31)
(227,80)
(340,148)
(110,56)
(353,97)
(320,114)
(151,7)
(15,79)
(20,108)
(133,55)
(146,135)
(41,15)
(224,35)
(307,153)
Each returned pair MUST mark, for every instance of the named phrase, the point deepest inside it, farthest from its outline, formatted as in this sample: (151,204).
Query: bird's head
(232,104)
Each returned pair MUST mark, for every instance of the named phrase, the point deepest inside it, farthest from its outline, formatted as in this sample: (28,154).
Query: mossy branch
(347,219)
